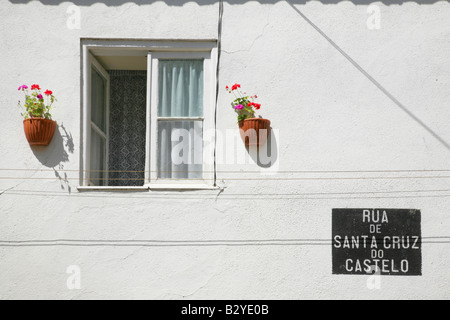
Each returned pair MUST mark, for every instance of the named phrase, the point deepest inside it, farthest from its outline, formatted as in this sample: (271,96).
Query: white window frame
(207,118)
(89,125)
(154,50)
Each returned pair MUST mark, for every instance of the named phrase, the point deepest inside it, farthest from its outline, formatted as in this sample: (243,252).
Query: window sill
(117,189)
(153,187)
(182,187)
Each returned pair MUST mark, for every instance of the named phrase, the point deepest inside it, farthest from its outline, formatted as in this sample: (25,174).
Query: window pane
(98,151)
(180,149)
(98,104)
(180,88)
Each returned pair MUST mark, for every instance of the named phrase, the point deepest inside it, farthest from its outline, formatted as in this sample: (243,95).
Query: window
(148,114)
(99,128)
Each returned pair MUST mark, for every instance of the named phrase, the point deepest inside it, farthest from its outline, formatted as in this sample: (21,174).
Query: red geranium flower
(48,93)
(256,105)
(244,105)
(35,86)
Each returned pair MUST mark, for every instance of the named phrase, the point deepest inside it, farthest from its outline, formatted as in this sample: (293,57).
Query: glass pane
(98,101)
(180,149)
(180,88)
(98,151)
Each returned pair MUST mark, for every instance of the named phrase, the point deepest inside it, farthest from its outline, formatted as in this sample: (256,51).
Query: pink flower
(239,107)
(23,87)
(40,97)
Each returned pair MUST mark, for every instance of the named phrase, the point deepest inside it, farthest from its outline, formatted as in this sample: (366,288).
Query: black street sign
(382,241)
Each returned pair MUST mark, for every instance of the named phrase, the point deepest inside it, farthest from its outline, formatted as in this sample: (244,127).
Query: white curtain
(180,142)
(180,88)
(180,149)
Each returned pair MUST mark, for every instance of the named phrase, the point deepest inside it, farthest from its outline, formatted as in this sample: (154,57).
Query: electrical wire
(190,243)
(240,179)
(234,171)
(278,194)
(219,51)
(212,197)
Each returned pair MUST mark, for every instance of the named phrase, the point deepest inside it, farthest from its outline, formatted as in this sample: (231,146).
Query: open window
(148,115)
(98,124)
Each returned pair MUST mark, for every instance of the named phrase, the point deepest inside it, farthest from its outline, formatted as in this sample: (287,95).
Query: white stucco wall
(336,91)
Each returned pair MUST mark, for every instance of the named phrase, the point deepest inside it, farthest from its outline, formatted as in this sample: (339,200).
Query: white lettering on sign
(385,265)
(374,216)
(387,239)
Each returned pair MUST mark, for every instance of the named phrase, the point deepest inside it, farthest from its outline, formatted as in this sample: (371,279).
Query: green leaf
(242,117)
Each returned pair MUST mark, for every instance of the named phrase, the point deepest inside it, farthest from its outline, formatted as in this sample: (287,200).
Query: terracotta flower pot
(39,131)
(254,132)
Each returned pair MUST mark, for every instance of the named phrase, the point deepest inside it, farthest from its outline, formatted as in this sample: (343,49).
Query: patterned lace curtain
(127,128)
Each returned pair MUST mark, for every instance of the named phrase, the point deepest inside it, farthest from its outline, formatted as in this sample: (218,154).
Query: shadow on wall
(265,156)
(112,3)
(56,154)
